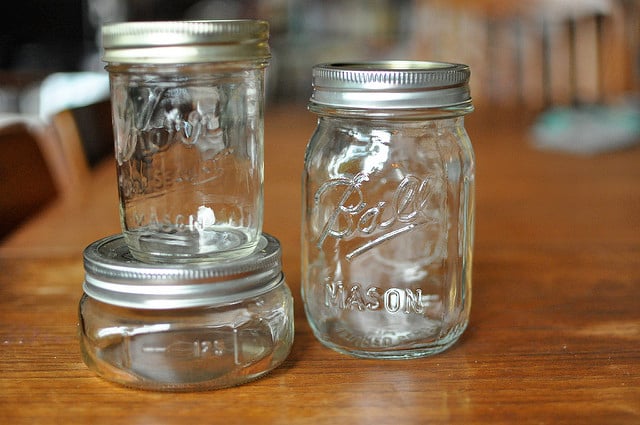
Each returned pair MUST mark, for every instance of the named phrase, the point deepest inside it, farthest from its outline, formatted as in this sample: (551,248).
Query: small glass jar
(188,110)
(184,327)
(388,208)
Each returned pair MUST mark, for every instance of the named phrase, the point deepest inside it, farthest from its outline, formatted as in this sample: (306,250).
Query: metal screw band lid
(394,85)
(114,276)
(172,42)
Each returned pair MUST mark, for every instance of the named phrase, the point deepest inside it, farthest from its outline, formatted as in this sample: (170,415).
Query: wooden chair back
(27,179)
(85,134)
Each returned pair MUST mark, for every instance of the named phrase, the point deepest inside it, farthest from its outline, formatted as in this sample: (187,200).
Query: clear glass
(187,349)
(189,151)
(387,233)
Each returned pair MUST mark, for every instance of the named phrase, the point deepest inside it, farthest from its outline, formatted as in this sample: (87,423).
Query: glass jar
(388,208)
(188,111)
(184,327)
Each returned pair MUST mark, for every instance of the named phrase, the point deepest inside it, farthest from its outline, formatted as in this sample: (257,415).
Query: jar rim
(391,85)
(114,276)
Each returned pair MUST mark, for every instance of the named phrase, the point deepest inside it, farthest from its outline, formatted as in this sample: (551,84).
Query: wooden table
(554,336)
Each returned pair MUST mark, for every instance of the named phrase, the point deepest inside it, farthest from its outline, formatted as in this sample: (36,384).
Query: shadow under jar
(388,194)
(188,115)
(184,327)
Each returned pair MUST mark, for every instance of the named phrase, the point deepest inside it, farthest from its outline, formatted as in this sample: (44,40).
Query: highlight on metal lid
(114,276)
(165,42)
(391,85)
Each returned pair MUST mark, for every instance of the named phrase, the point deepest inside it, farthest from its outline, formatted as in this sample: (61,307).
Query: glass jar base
(213,244)
(132,381)
(183,367)
(405,351)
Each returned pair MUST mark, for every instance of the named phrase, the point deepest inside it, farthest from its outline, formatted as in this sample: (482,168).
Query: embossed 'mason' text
(372,298)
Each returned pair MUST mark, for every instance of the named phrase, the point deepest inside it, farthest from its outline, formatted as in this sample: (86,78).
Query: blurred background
(532,52)
(574,64)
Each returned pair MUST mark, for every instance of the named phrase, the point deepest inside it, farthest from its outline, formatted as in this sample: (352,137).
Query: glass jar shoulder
(345,146)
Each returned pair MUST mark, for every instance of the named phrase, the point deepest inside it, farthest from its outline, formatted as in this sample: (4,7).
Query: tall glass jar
(188,112)
(388,208)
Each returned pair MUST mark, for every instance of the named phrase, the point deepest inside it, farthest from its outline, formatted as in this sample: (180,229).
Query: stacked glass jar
(191,295)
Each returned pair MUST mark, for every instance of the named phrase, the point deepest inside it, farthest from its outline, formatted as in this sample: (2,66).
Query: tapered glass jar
(388,208)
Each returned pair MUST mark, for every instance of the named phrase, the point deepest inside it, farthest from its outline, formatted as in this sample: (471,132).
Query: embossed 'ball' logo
(352,215)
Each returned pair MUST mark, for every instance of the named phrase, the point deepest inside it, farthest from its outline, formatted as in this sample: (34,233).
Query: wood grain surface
(554,336)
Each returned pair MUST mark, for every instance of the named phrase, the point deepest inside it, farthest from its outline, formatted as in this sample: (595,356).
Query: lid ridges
(329,74)
(112,275)
(111,32)
(109,258)
(392,85)
(162,42)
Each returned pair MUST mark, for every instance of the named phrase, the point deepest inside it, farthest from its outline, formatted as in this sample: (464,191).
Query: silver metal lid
(171,42)
(394,85)
(113,276)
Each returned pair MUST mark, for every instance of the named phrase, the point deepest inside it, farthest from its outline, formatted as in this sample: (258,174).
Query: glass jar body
(189,155)
(387,234)
(187,349)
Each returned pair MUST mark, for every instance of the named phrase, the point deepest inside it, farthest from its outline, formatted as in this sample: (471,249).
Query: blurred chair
(29,169)
(589,78)
(534,54)
(85,134)
(77,106)
(40,160)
